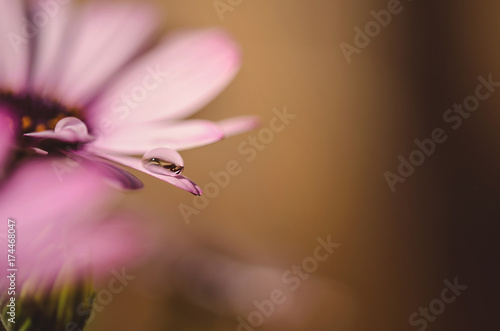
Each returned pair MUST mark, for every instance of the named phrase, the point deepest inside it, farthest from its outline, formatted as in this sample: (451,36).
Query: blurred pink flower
(59,231)
(6,139)
(85,81)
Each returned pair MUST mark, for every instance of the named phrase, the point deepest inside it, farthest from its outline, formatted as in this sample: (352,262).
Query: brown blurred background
(323,175)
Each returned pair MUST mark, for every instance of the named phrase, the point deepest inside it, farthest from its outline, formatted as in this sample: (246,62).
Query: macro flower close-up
(336,162)
(75,87)
(64,243)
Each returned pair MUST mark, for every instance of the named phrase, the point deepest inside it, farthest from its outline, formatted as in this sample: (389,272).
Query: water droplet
(73,124)
(162,167)
(163,161)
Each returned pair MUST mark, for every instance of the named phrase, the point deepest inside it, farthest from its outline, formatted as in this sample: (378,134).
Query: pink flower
(58,232)
(85,81)
(6,138)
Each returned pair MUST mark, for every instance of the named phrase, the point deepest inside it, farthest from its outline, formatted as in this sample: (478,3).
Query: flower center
(35,114)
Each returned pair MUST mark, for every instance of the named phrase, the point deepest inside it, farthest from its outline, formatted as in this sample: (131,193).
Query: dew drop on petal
(163,161)
(74,124)
(162,167)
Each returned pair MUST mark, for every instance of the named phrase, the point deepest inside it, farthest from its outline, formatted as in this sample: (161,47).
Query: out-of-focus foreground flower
(6,140)
(85,81)
(60,242)
(55,241)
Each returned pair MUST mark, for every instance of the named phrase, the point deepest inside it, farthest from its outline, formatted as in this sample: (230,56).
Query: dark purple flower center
(33,113)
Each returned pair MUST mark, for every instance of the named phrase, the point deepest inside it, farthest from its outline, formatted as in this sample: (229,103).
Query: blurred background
(323,176)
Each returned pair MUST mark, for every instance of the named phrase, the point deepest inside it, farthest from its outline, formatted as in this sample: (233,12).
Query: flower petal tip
(237,125)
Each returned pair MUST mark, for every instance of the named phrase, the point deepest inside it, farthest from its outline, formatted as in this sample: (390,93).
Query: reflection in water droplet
(163,161)
(162,167)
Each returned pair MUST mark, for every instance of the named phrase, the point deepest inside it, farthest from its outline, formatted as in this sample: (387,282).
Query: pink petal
(116,176)
(50,212)
(52,189)
(6,138)
(64,135)
(50,52)
(101,39)
(237,125)
(138,139)
(121,178)
(177,180)
(179,77)
(14,60)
